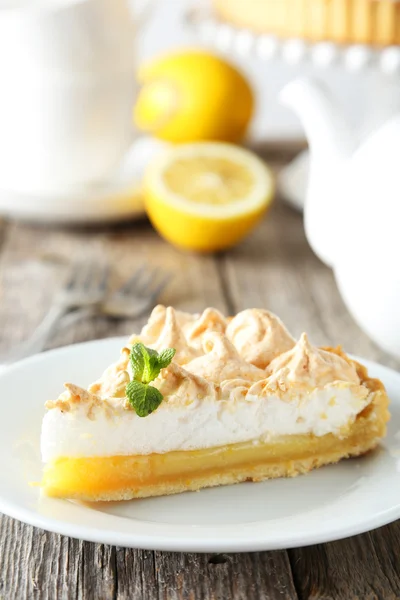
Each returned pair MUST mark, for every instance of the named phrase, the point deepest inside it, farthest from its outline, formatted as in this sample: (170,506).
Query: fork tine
(78,269)
(69,282)
(97,277)
(89,274)
(160,286)
(146,282)
(104,278)
(151,286)
(132,282)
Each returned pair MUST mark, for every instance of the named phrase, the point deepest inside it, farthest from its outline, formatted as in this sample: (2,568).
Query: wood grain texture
(274,268)
(355,568)
(35,262)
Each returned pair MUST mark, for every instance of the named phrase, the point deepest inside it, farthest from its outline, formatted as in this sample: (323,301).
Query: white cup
(67,91)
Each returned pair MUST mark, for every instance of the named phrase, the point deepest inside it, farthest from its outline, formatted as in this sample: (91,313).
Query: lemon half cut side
(207,196)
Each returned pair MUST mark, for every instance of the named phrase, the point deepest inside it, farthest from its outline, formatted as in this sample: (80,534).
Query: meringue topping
(152,330)
(210,320)
(183,386)
(114,379)
(171,336)
(214,391)
(310,367)
(234,389)
(221,361)
(74,397)
(259,336)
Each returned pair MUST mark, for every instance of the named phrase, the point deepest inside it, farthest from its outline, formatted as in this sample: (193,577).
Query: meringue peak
(184,386)
(154,326)
(210,319)
(221,361)
(310,367)
(259,336)
(164,330)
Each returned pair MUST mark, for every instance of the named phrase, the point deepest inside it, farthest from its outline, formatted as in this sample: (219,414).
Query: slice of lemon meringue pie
(202,400)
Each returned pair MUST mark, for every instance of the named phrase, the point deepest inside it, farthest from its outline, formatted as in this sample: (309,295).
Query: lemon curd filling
(117,477)
(202,400)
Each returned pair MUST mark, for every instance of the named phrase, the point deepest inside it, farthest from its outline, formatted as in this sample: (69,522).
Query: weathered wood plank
(34,263)
(51,567)
(386,541)
(39,565)
(258,576)
(3,231)
(348,569)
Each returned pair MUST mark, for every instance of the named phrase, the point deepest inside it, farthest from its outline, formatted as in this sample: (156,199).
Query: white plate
(330,503)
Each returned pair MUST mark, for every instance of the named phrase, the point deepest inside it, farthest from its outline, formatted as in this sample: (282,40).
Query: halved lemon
(207,196)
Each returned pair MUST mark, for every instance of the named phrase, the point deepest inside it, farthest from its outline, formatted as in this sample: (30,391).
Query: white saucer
(108,203)
(117,199)
(331,503)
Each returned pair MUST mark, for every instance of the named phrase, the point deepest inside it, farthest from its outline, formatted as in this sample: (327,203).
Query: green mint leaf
(165,357)
(137,358)
(143,398)
(147,363)
(146,366)
(153,367)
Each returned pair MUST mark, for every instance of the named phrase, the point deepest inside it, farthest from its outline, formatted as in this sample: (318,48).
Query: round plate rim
(158,541)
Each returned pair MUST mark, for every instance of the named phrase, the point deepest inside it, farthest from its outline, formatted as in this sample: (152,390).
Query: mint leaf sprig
(146,366)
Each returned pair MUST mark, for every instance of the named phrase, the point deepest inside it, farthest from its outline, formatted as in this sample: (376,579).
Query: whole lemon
(193,95)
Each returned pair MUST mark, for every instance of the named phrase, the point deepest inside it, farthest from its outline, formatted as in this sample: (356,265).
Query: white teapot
(352,209)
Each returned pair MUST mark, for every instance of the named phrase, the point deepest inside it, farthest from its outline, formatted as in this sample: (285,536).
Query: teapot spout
(326,129)
(331,145)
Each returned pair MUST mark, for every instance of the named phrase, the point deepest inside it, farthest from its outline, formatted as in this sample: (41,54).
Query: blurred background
(184,22)
(166,144)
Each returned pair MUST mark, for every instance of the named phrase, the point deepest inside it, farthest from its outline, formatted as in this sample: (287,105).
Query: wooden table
(274,268)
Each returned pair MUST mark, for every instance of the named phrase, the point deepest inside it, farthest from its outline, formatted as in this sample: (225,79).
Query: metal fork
(132,300)
(86,286)
(137,295)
